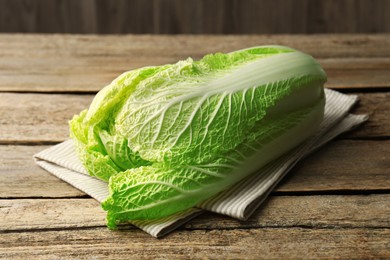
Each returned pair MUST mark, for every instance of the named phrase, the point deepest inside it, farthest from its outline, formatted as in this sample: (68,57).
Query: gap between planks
(277,193)
(67,63)
(325,212)
(222,244)
(68,77)
(343,165)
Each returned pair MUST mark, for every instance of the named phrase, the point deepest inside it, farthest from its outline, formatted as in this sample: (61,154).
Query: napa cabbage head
(167,137)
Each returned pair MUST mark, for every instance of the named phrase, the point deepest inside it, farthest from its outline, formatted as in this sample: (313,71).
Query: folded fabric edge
(233,202)
(97,189)
(62,154)
(349,123)
(161,227)
(242,199)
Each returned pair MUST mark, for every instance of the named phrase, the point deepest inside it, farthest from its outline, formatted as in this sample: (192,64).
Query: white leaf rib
(152,205)
(250,147)
(189,120)
(214,174)
(232,159)
(154,182)
(253,96)
(212,117)
(229,113)
(240,154)
(176,116)
(158,131)
(217,165)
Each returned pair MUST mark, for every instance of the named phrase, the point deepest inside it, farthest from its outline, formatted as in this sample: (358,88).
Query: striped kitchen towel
(241,200)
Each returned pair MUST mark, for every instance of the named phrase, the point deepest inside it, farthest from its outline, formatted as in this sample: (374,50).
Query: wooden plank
(219,244)
(357,73)
(90,74)
(278,211)
(21,177)
(181,46)
(65,63)
(377,106)
(341,165)
(38,118)
(34,214)
(325,211)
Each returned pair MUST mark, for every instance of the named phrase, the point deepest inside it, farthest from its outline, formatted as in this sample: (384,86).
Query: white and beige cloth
(239,201)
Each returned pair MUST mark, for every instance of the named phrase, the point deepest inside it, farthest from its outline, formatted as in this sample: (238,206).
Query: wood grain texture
(191,17)
(377,106)
(20,177)
(343,165)
(334,204)
(279,211)
(64,63)
(217,244)
(182,46)
(52,113)
(357,73)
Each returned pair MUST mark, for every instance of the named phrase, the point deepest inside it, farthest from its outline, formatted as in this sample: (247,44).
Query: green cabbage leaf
(167,137)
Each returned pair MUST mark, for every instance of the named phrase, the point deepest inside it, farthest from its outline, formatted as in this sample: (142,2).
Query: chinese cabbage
(168,137)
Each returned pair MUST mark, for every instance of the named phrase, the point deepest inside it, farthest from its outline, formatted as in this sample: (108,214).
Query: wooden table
(334,204)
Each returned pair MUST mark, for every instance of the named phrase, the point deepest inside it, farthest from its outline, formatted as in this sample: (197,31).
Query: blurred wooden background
(195,17)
